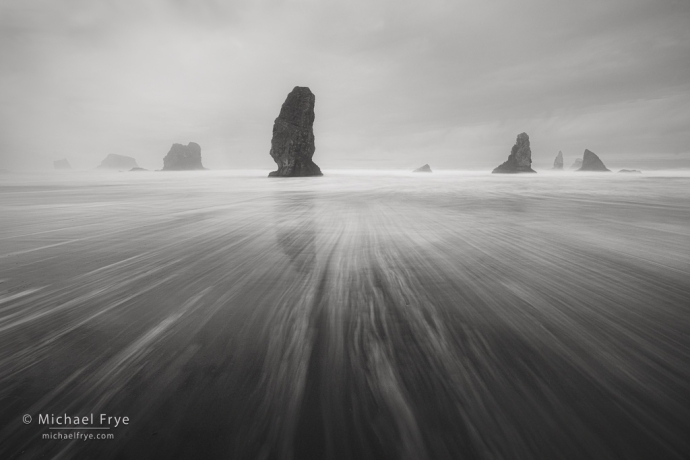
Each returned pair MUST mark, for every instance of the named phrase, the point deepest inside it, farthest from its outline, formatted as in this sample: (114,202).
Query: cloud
(396,82)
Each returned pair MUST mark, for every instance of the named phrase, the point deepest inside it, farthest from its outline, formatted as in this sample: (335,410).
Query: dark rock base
(301,169)
(506,168)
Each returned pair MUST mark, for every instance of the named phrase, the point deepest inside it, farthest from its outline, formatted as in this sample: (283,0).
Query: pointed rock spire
(520,159)
(591,162)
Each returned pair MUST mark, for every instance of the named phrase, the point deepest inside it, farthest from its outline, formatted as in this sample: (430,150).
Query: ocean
(358,315)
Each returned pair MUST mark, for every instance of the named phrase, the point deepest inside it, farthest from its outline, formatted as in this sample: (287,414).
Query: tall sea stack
(292,146)
(183,158)
(591,162)
(520,159)
(558,162)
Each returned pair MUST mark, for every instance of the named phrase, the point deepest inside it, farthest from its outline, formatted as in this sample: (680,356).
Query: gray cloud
(397,83)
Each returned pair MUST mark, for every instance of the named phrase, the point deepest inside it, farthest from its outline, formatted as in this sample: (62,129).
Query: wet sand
(353,316)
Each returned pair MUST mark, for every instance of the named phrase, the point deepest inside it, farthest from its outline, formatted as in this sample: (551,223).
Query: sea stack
(591,162)
(120,162)
(183,158)
(577,164)
(425,168)
(292,146)
(520,158)
(62,164)
(558,162)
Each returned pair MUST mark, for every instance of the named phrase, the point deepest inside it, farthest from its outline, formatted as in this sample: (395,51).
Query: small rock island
(62,164)
(577,164)
(425,168)
(558,162)
(520,158)
(292,145)
(120,162)
(183,158)
(591,162)
(630,171)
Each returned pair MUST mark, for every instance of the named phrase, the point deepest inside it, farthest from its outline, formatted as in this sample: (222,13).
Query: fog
(355,315)
(397,83)
(371,313)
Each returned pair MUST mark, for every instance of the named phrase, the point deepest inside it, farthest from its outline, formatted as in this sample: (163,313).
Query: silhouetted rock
(292,146)
(591,162)
(138,169)
(520,158)
(120,162)
(183,158)
(558,162)
(629,171)
(425,168)
(62,164)
(577,164)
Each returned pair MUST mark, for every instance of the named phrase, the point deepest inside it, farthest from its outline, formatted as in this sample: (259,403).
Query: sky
(398,83)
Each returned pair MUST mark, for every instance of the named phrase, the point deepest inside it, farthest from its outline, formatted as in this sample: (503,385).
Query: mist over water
(363,314)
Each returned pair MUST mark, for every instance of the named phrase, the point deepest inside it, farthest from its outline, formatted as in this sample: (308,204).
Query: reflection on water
(295,229)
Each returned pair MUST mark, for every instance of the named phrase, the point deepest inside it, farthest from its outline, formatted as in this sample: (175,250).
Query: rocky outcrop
(62,164)
(558,162)
(138,169)
(577,164)
(520,158)
(591,162)
(292,145)
(629,171)
(119,162)
(183,158)
(425,168)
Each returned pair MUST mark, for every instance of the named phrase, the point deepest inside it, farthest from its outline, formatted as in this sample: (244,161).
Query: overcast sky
(398,83)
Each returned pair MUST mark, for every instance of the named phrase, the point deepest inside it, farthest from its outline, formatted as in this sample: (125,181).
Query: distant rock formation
(138,169)
(425,168)
(292,146)
(591,162)
(183,158)
(577,164)
(629,171)
(62,164)
(520,159)
(120,162)
(558,162)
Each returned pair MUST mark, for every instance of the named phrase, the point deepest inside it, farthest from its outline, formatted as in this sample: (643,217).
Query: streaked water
(353,316)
